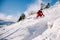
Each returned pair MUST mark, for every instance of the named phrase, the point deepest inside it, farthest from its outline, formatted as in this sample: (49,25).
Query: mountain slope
(54,32)
(31,27)
(51,34)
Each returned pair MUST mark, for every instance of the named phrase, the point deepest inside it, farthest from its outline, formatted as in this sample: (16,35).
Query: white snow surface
(54,32)
(35,28)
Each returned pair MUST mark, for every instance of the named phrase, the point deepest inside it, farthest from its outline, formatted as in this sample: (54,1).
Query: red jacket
(40,13)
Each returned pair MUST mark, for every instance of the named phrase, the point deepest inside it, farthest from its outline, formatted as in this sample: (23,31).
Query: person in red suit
(40,13)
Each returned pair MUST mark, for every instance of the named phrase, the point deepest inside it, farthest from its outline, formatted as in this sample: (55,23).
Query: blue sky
(14,7)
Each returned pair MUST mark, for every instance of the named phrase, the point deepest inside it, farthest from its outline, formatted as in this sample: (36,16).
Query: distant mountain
(2,23)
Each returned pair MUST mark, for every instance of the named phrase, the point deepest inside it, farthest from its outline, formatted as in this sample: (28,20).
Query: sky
(16,7)
(13,7)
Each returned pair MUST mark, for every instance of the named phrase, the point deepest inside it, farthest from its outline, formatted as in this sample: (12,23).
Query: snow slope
(51,34)
(19,28)
(54,32)
(31,27)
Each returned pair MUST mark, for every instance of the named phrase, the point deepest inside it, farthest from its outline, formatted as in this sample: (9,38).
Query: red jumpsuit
(40,14)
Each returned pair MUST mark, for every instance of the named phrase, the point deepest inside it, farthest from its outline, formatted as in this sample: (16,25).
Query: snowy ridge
(54,32)
(51,34)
